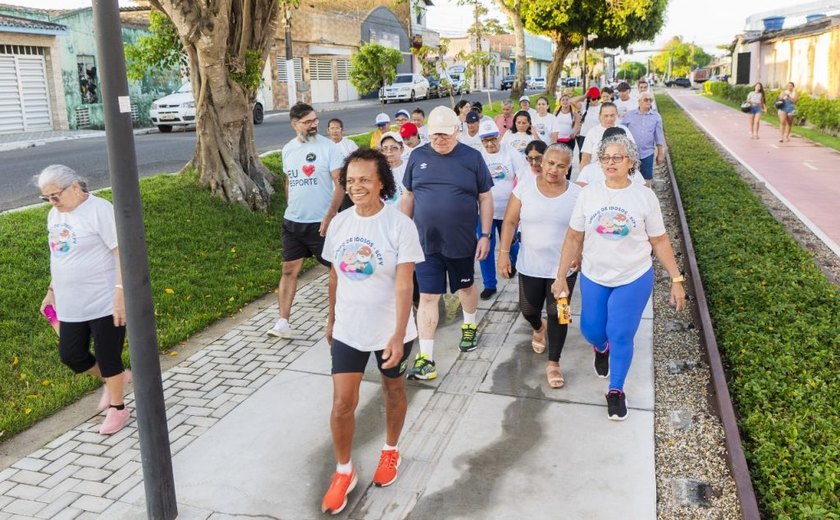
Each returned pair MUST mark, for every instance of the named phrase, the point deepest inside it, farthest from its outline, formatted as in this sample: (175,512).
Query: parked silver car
(406,87)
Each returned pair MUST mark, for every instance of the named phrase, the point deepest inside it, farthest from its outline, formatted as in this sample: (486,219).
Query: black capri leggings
(533,293)
(108,340)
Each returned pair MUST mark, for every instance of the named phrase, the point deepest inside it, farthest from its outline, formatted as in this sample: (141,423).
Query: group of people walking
(756,105)
(420,216)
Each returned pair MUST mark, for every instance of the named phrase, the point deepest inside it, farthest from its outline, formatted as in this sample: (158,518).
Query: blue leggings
(613,314)
(488,265)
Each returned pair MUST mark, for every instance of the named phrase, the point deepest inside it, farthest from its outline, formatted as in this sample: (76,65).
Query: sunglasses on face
(53,197)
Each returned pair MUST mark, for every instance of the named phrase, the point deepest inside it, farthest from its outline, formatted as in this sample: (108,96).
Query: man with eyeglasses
(311,164)
(446,184)
(507,166)
(645,126)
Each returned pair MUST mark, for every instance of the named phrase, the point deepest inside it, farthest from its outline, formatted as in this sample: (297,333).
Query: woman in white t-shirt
(85,292)
(615,225)
(542,207)
(521,134)
(372,248)
(544,122)
(335,130)
(391,145)
(593,173)
(758,106)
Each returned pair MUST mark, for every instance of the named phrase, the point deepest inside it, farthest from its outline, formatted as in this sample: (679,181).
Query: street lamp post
(586,39)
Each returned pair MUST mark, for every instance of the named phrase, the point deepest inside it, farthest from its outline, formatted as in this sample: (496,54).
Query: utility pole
(290,62)
(158,479)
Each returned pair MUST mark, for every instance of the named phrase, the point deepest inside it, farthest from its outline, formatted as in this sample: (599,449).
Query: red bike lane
(803,175)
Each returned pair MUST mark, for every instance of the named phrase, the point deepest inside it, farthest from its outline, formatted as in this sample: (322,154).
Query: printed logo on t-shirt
(540,128)
(519,145)
(498,171)
(62,238)
(357,258)
(612,222)
(310,157)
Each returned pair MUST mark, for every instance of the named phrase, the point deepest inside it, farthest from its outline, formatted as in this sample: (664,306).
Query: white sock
(388,448)
(469,318)
(427,348)
(344,469)
(282,322)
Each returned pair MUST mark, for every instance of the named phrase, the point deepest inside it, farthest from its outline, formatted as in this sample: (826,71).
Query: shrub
(776,319)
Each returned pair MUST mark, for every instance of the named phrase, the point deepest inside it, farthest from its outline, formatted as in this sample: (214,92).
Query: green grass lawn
(772,118)
(207,260)
(776,319)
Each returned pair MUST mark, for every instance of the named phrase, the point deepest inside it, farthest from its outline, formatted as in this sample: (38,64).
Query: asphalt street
(168,153)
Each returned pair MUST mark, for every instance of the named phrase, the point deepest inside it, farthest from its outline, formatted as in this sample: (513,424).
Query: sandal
(538,338)
(554,376)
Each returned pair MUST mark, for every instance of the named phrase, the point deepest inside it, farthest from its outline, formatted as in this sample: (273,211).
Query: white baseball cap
(488,129)
(403,112)
(382,118)
(393,135)
(442,120)
(525,98)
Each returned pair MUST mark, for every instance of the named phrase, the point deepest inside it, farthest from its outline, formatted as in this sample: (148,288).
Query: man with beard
(312,164)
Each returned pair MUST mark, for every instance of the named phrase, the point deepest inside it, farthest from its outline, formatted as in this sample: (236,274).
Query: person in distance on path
(446,184)
(86,287)
(542,206)
(786,113)
(758,106)
(335,129)
(372,248)
(615,225)
(311,164)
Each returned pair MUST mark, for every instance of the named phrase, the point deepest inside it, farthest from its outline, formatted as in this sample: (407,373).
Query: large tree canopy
(227,43)
(374,66)
(613,24)
(683,58)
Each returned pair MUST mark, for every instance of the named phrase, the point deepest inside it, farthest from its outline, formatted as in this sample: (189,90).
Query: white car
(178,109)
(405,87)
(538,83)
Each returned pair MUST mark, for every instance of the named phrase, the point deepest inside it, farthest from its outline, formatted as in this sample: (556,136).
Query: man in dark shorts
(446,184)
(312,164)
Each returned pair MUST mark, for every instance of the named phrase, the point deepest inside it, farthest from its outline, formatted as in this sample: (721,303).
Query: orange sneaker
(386,472)
(335,500)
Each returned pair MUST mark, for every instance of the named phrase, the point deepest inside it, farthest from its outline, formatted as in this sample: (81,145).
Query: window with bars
(320,68)
(342,69)
(21,49)
(281,69)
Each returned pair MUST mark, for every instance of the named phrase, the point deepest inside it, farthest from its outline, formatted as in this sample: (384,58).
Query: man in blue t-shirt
(312,164)
(446,184)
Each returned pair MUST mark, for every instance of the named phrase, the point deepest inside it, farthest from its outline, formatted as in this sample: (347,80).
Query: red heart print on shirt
(308,169)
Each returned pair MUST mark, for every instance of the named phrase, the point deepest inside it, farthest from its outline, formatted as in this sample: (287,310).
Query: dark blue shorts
(432,273)
(646,167)
(755,109)
(348,360)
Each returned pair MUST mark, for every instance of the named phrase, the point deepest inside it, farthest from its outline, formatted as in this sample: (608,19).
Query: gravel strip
(692,478)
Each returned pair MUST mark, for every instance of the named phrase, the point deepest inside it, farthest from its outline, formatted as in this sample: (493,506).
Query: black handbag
(780,103)
(746,107)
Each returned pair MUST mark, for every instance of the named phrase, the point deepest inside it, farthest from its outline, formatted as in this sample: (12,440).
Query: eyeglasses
(533,159)
(389,149)
(53,197)
(488,140)
(617,158)
(646,100)
(308,122)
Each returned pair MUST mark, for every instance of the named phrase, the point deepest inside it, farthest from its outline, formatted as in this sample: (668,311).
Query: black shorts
(302,241)
(432,273)
(74,345)
(346,360)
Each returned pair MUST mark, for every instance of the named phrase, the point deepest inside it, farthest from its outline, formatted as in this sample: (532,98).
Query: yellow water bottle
(564,312)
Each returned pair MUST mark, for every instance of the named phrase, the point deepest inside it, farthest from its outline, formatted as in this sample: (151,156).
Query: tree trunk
(562,48)
(216,41)
(513,12)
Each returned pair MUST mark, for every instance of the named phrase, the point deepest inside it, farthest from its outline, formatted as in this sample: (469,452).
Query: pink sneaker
(105,400)
(114,421)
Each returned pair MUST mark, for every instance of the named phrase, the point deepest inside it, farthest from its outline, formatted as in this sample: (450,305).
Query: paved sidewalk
(249,429)
(802,174)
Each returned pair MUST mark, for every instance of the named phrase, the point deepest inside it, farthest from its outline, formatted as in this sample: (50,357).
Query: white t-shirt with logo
(617,225)
(397,172)
(82,264)
(596,135)
(593,173)
(365,253)
(543,222)
(505,166)
(544,125)
(518,141)
(308,167)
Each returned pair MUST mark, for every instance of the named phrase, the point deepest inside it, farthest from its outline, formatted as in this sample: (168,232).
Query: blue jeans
(646,167)
(488,265)
(613,314)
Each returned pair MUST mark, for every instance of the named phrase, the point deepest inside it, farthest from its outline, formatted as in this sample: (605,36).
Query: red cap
(593,93)
(407,130)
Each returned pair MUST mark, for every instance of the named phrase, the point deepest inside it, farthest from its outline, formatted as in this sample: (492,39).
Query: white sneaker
(281,329)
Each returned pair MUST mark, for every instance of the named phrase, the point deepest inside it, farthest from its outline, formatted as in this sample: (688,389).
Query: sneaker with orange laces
(335,500)
(386,472)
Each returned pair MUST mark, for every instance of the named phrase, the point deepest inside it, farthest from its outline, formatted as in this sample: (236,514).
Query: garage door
(321,77)
(24,98)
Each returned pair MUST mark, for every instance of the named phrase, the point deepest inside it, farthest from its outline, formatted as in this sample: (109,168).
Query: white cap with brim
(382,118)
(442,120)
(525,98)
(488,129)
(403,112)
(393,135)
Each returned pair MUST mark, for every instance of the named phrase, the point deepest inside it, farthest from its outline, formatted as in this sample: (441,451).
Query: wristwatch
(486,235)
(678,279)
